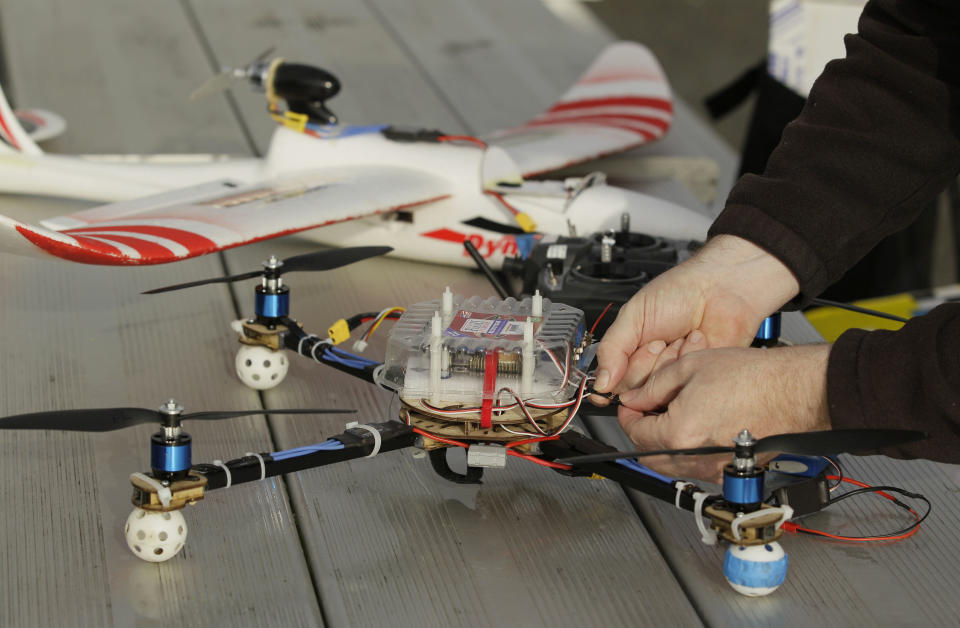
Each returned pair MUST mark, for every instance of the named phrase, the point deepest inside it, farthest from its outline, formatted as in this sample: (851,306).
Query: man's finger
(645,430)
(626,417)
(696,341)
(638,371)
(599,400)
(619,342)
(640,365)
(659,390)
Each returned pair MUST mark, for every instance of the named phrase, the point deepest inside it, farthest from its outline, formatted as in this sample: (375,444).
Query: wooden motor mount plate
(467,427)
(182,493)
(257,334)
(752,532)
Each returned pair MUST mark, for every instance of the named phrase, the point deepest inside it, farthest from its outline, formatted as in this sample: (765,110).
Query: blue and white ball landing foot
(155,536)
(755,570)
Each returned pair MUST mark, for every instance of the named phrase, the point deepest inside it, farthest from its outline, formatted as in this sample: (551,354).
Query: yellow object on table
(831,322)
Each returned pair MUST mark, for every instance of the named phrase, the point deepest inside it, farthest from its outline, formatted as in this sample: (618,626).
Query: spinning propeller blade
(227,77)
(109,419)
(823,443)
(321,260)
(217,83)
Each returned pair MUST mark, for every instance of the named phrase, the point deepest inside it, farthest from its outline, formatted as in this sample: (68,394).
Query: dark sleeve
(906,379)
(876,141)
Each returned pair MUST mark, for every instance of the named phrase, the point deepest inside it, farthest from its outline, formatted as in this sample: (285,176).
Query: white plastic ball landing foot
(261,368)
(155,536)
(755,570)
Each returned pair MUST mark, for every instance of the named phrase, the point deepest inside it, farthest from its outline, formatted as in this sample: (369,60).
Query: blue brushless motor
(769,333)
(169,458)
(275,304)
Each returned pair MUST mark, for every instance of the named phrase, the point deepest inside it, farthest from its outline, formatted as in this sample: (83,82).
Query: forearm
(876,142)
(908,379)
(741,267)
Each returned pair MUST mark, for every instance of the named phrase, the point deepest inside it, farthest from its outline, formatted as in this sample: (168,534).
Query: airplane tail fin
(622,101)
(15,139)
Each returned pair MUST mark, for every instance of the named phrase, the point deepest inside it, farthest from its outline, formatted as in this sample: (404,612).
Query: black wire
(858,309)
(485,269)
(887,489)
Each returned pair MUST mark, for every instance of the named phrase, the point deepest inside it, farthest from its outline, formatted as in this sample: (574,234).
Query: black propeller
(825,443)
(109,419)
(321,260)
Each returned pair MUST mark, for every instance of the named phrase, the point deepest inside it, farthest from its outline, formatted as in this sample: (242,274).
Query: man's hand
(709,396)
(725,291)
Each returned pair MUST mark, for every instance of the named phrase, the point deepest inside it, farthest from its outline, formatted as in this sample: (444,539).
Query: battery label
(488,325)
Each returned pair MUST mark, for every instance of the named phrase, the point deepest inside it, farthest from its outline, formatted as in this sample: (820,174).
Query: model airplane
(418,191)
(499,378)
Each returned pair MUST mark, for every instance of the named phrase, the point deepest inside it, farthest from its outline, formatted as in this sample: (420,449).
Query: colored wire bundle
(395,311)
(345,358)
(499,408)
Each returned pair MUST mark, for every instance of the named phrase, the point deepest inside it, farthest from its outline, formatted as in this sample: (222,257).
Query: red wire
(530,441)
(441,439)
(540,461)
(864,485)
(513,210)
(462,138)
(450,441)
(793,527)
(597,322)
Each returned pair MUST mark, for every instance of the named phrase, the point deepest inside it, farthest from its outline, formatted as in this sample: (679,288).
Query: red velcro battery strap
(490,362)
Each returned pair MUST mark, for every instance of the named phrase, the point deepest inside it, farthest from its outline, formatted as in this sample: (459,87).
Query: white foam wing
(219,215)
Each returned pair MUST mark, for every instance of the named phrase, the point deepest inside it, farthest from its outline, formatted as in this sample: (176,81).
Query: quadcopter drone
(500,378)
(422,192)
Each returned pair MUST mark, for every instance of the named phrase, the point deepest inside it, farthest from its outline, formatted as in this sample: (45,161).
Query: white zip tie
(163,492)
(680,486)
(377,439)
(313,351)
(302,340)
(378,378)
(220,464)
(785,513)
(263,466)
(707,535)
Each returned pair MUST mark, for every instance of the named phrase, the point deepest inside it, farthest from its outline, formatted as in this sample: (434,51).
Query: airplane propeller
(227,77)
(823,443)
(109,419)
(320,260)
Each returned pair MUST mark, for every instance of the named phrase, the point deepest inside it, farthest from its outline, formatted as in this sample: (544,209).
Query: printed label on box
(487,325)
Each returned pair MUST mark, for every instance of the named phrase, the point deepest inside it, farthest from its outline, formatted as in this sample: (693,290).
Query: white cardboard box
(805,35)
